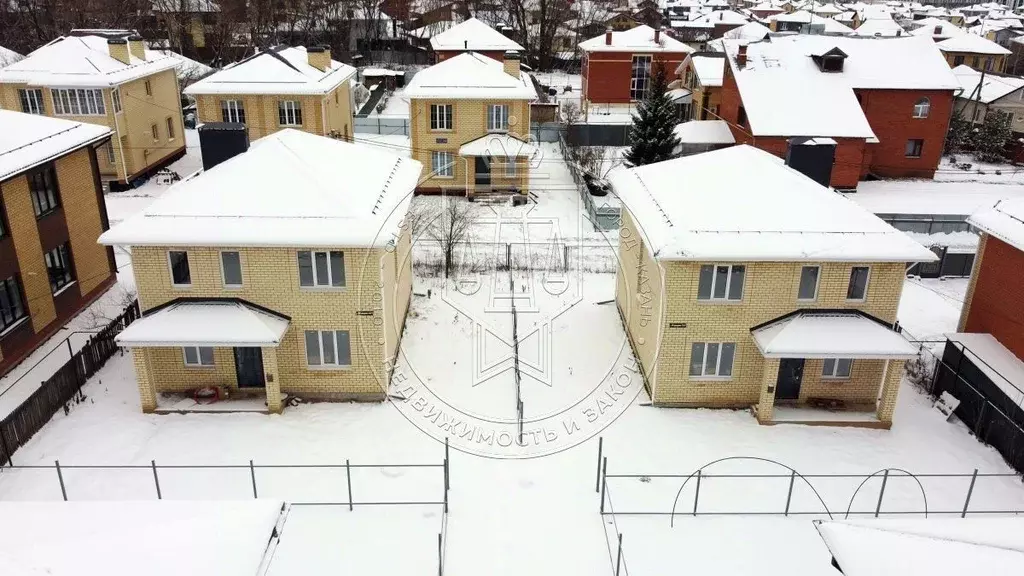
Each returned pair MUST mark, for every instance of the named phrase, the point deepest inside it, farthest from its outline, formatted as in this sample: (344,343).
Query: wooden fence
(57,391)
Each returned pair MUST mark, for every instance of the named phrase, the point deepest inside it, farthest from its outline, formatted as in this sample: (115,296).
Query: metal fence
(57,391)
(383,125)
(604,217)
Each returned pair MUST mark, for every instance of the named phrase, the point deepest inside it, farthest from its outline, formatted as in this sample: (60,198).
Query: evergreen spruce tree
(993,135)
(653,123)
(959,134)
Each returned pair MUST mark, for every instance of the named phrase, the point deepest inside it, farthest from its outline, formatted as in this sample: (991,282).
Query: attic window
(832,64)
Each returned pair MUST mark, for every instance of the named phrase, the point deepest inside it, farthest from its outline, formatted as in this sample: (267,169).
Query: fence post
(156,480)
(600,449)
(252,474)
(440,555)
(60,478)
(789,495)
(447,467)
(881,493)
(348,476)
(618,557)
(970,490)
(696,494)
(604,482)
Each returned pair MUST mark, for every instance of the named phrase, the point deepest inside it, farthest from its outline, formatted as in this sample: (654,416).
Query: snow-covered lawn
(978,172)
(930,307)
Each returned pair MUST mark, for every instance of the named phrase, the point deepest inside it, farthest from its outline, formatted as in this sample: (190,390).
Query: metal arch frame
(924,495)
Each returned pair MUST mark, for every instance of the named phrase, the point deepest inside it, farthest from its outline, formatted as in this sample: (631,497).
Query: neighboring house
(974,51)
(721,21)
(470,119)
(284,87)
(936,29)
(804,22)
(886,101)
(270,275)
(617,66)
(885,27)
(51,213)
(111,81)
(744,283)
(694,35)
(996,92)
(189,71)
(471,36)
(765,9)
(701,73)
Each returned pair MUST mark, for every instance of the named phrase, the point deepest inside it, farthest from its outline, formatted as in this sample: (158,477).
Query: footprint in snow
(392,472)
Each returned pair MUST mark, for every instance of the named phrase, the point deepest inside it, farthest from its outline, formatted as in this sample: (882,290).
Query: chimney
(608,37)
(899,33)
(812,157)
(118,48)
(657,35)
(741,56)
(511,62)
(221,141)
(136,47)
(319,57)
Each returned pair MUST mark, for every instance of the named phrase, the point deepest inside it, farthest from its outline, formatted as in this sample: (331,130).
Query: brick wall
(996,301)
(262,118)
(891,116)
(976,61)
(606,75)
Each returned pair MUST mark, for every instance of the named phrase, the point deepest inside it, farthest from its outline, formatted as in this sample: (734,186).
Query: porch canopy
(215,323)
(831,334)
(498,145)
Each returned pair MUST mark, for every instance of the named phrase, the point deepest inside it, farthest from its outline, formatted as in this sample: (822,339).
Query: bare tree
(450,227)
(98,317)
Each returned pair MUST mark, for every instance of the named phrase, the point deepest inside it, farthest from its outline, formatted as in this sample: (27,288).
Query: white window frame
(241,270)
(170,269)
(867,285)
(320,351)
(235,110)
(728,283)
(442,122)
(170,128)
(442,169)
(497,117)
(635,93)
(199,357)
(78,102)
(718,362)
(115,99)
(292,110)
(922,108)
(834,373)
(317,285)
(817,284)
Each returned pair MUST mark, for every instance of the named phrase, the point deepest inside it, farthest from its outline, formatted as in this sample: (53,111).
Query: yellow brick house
(470,124)
(110,79)
(268,275)
(284,87)
(743,283)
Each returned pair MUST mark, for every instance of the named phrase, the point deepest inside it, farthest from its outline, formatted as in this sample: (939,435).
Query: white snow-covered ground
(978,172)
(930,307)
(930,197)
(394,143)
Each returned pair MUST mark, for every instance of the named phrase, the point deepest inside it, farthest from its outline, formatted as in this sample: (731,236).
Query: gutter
(117,133)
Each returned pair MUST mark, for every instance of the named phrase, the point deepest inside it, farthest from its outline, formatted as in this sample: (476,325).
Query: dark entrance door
(249,367)
(482,170)
(791,372)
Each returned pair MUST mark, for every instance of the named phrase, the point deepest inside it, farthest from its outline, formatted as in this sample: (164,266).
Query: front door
(791,372)
(482,169)
(249,367)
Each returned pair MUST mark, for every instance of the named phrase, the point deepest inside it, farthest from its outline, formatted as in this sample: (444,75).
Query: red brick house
(885,101)
(472,36)
(617,66)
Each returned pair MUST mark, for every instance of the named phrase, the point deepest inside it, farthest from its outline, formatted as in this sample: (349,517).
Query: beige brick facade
(23,229)
(82,213)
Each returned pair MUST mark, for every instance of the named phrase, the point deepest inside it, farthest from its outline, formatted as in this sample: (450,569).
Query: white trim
(199,358)
(320,344)
(834,375)
(330,275)
(867,284)
(718,362)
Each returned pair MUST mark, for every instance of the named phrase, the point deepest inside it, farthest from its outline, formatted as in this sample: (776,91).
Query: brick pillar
(144,377)
(766,404)
(891,377)
(273,380)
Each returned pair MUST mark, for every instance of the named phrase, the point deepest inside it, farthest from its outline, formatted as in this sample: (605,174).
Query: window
(328,349)
(497,117)
(198,355)
(442,164)
(441,117)
(149,88)
(721,282)
(741,116)
(69,102)
(109,147)
(988,64)
(712,359)
(154,131)
(231,268)
(115,99)
(858,288)
(232,111)
(42,185)
(957,60)
(180,274)
(914,148)
(289,113)
(922,107)
(58,267)
(321,269)
(31,101)
(836,368)
(808,283)
(510,167)
(170,128)
(11,307)
(640,78)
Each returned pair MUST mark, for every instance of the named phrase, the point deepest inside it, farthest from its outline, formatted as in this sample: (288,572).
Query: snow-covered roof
(972,44)
(498,145)
(638,39)
(276,71)
(936,28)
(469,76)
(291,188)
(749,31)
(187,67)
(744,204)
(710,69)
(473,35)
(880,27)
(1004,220)
(81,61)
(704,132)
(993,88)
(722,17)
(805,17)
(8,56)
(937,547)
(205,323)
(813,334)
(28,140)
